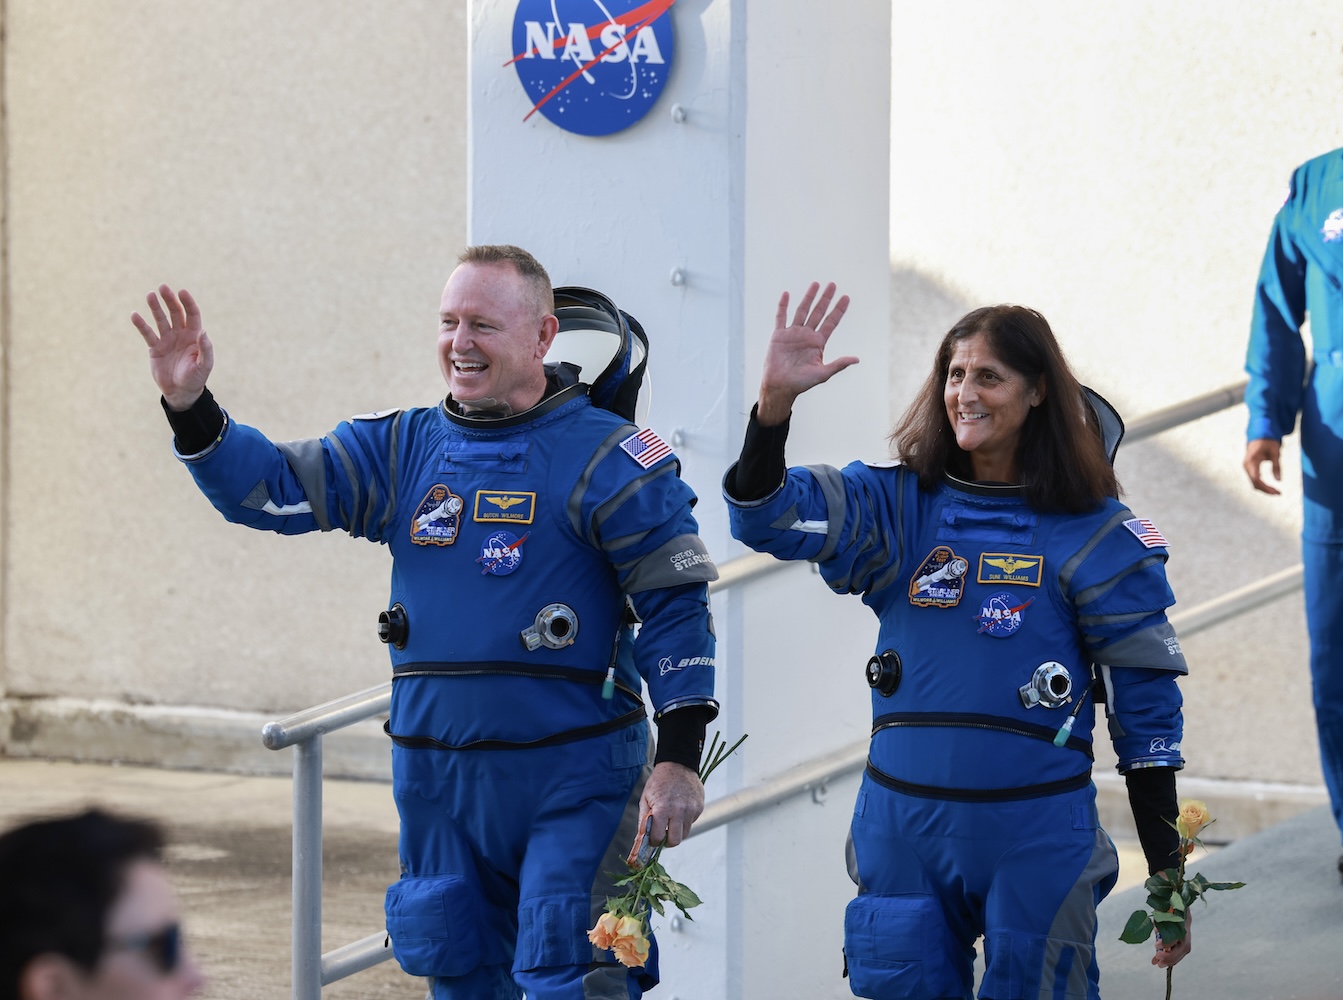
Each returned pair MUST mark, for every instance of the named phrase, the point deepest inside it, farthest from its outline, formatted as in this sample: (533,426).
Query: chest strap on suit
(969,720)
(510,668)
(507,668)
(555,739)
(980,794)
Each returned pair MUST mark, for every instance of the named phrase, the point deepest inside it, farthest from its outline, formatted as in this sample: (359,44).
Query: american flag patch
(646,447)
(1146,532)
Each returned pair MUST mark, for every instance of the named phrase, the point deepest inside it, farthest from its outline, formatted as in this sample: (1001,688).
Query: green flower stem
(650,885)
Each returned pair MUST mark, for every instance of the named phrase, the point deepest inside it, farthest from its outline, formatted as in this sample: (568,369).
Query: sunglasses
(163,947)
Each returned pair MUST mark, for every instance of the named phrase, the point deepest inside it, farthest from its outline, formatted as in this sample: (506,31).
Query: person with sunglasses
(87,913)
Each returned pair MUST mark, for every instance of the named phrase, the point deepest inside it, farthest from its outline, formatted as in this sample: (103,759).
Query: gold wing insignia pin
(503,503)
(1010,564)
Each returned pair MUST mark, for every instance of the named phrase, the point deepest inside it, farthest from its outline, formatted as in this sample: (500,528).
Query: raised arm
(181,356)
(795,359)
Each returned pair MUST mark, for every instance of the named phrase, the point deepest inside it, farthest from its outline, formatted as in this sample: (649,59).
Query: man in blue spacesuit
(1014,593)
(1302,274)
(529,531)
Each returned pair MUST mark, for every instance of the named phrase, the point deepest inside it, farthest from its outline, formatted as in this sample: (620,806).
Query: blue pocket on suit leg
(896,946)
(434,924)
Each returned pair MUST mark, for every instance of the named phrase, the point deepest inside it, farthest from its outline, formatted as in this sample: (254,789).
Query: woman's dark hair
(1060,456)
(59,880)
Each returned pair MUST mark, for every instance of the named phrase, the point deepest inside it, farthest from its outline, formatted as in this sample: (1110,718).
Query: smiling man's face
(493,335)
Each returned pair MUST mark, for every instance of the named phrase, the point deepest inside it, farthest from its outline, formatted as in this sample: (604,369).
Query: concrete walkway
(230,861)
(1279,938)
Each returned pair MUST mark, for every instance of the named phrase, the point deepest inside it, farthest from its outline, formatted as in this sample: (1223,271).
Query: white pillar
(763,165)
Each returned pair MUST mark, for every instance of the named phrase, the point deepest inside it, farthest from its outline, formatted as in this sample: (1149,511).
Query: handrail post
(307,870)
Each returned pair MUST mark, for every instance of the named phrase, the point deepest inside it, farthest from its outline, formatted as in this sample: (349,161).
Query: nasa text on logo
(1001,614)
(592,67)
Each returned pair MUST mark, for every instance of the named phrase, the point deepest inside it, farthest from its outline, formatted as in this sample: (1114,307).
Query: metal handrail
(322,719)
(816,774)
(355,957)
(304,731)
(1153,423)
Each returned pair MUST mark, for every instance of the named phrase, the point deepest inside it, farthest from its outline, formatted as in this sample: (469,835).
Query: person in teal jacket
(1302,275)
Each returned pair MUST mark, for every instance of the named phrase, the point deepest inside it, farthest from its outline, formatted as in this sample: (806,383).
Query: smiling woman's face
(987,404)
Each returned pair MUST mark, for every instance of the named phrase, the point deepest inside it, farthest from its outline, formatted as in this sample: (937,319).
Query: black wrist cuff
(681,735)
(1151,795)
(761,467)
(197,428)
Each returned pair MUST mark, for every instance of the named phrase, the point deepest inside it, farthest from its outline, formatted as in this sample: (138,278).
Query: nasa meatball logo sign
(592,67)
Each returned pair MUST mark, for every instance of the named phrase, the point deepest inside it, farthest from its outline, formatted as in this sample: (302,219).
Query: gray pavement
(1279,938)
(230,863)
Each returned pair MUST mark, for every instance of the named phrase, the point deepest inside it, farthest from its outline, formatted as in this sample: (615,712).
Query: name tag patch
(504,505)
(1010,567)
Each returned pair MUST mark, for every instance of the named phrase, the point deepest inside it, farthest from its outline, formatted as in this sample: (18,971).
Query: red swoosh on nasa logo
(646,15)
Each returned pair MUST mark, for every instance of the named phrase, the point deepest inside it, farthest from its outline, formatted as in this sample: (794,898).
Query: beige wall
(301,167)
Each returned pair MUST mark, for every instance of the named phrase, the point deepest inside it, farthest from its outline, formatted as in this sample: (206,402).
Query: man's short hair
(524,263)
(59,880)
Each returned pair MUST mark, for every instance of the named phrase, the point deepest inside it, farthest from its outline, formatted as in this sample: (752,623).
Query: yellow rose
(630,945)
(1193,817)
(604,934)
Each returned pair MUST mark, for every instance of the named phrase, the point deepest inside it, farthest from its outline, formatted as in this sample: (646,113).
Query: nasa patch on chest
(502,553)
(1001,615)
(940,580)
(438,518)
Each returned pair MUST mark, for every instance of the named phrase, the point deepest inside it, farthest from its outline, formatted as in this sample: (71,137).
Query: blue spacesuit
(976,815)
(1302,274)
(525,548)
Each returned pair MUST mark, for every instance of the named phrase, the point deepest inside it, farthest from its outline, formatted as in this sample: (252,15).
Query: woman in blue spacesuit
(1014,594)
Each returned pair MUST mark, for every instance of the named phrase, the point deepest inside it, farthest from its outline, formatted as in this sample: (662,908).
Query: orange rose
(1193,817)
(631,946)
(604,934)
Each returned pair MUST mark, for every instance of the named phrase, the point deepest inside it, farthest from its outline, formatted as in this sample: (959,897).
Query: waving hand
(795,359)
(181,356)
